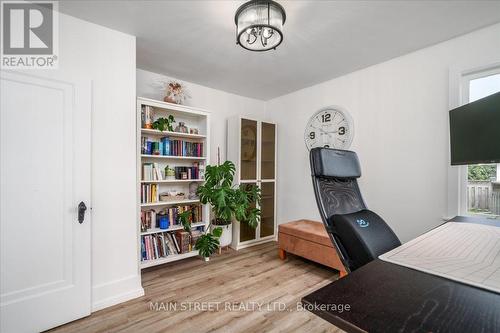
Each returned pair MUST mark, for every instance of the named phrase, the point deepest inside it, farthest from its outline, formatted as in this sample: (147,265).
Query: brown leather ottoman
(308,239)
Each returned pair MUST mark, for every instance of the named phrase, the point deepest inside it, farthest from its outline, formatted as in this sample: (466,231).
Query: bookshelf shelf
(174,157)
(153,242)
(153,132)
(169,203)
(172,228)
(171,181)
(167,259)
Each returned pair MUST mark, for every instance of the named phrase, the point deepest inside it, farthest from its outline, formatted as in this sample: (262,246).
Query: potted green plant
(228,202)
(164,124)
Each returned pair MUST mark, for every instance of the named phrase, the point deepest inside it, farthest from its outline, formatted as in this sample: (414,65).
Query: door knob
(81,212)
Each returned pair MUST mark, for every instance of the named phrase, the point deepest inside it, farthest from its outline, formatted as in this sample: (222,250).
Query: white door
(45,174)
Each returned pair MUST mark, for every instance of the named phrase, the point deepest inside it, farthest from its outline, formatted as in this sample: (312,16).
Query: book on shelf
(186,172)
(151,171)
(170,243)
(150,219)
(149,193)
(152,247)
(174,240)
(157,246)
(184,241)
(166,146)
(162,244)
(170,147)
(164,249)
(195,234)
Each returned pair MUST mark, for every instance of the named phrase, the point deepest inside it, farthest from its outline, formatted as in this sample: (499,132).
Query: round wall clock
(330,127)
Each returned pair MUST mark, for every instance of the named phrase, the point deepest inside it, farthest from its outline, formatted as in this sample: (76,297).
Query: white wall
(400,112)
(107,58)
(221,105)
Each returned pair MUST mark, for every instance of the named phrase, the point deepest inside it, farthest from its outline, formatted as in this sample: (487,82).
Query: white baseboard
(253,243)
(115,292)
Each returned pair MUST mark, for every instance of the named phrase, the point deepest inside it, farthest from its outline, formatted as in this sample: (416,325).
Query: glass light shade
(259,25)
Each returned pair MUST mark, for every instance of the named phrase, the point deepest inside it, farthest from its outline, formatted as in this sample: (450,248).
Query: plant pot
(227,234)
(169,100)
(206,258)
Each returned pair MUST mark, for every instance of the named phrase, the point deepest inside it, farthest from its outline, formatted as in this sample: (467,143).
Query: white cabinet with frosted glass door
(251,145)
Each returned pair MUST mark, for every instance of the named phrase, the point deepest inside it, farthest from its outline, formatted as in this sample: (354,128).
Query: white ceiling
(195,40)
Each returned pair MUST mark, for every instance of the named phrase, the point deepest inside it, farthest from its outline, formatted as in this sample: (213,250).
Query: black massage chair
(358,234)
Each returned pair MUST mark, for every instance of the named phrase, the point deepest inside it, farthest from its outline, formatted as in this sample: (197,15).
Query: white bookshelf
(193,118)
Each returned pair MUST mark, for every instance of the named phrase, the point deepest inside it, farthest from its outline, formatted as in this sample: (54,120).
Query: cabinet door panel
(247,233)
(248,149)
(267,222)
(267,163)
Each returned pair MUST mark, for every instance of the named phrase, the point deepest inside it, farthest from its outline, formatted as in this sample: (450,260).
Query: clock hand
(320,129)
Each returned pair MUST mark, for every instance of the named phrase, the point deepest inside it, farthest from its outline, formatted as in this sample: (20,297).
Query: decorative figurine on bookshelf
(147,116)
(169,173)
(164,196)
(193,189)
(193,130)
(172,196)
(175,92)
(164,222)
(181,128)
(201,172)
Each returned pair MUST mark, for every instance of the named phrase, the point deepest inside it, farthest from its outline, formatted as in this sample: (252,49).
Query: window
(483,180)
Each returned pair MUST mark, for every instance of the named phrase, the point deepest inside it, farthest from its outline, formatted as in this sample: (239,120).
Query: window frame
(459,95)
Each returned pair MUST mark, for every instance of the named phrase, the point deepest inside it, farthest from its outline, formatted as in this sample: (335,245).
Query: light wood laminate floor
(240,281)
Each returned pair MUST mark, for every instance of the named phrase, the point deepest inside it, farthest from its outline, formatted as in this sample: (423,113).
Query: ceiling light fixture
(259,25)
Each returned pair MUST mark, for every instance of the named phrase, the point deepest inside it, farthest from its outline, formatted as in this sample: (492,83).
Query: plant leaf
(217,232)
(207,244)
(184,219)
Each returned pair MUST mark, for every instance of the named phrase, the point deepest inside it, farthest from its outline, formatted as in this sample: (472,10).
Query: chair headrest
(334,163)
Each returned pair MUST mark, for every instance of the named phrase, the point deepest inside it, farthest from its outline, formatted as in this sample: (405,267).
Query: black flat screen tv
(475,132)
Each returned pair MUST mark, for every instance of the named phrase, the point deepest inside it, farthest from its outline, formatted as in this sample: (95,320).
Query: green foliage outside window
(484,172)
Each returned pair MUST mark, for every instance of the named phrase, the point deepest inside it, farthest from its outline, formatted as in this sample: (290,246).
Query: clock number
(341,130)
(326,118)
(312,135)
